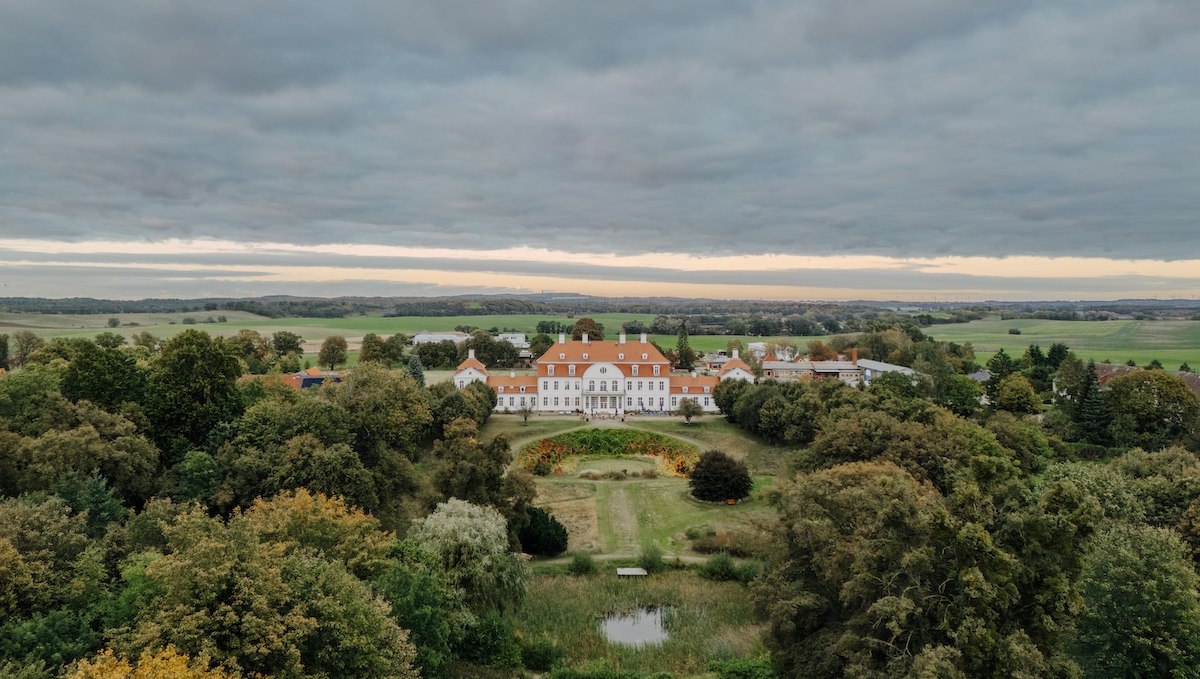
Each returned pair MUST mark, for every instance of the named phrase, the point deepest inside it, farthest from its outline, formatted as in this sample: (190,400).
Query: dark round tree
(544,536)
(718,477)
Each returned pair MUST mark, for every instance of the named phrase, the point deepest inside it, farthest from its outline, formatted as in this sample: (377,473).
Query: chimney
(621,338)
(735,353)
(562,338)
(643,338)
(512,373)
(694,373)
(585,338)
(470,353)
(854,355)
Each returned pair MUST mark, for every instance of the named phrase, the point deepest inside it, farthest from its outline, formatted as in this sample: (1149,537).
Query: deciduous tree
(333,352)
(716,477)
(191,388)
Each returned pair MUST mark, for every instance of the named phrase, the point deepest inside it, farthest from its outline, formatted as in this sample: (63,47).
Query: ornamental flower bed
(560,454)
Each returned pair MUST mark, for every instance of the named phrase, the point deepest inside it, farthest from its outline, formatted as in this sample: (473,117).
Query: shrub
(697,532)
(544,535)
(582,563)
(490,641)
(717,477)
(735,544)
(743,668)
(540,654)
(615,475)
(720,567)
(650,473)
(652,558)
(1014,331)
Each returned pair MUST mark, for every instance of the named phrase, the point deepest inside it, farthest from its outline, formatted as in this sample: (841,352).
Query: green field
(317,329)
(1172,342)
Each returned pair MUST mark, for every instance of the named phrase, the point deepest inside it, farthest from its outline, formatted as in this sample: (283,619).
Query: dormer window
(571,370)
(621,356)
(522,390)
(706,389)
(635,368)
(585,356)
(656,369)
(685,390)
(550,370)
(561,355)
(501,390)
(645,356)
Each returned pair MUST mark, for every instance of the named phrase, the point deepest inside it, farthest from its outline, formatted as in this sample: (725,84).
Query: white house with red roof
(470,370)
(610,377)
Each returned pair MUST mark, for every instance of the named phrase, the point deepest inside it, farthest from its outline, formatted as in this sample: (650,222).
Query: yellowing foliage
(165,664)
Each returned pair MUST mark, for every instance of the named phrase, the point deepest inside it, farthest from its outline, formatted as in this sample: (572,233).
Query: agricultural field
(314,330)
(1172,342)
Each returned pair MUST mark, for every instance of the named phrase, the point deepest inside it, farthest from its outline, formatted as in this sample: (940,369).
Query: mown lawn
(713,432)
(706,620)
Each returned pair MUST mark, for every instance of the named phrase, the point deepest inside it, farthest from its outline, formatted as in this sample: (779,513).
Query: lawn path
(622,522)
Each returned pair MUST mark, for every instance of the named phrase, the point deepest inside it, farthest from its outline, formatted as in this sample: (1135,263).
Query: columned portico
(603,390)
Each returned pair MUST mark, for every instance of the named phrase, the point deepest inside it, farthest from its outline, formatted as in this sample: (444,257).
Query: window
(591,385)
(662,386)
(603,385)
(628,403)
(576,401)
(639,385)
(522,391)
(629,386)
(512,400)
(706,391)
(615,387)
(656,371)
(555,400)
(621,357)
(585,356)
(460,383)
(674,401)
(562,356)
(571,370)
(555,385)
(660,403)
(550,370)
(545,401)
(501,390)
(635,368)
(522,400)
(685,390)
(645,356)
(545,384)
(705,401)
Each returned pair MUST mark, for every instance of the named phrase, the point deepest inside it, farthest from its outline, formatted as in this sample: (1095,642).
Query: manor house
(601,377)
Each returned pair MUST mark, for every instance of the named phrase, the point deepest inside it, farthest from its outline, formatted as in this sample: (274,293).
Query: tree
(686,357)
(594,330)
(1016,395)
(372,349)
(110,340)
(24,343)
(1150,409)
(106,377)
(414,369)
(146,341)
(689,408)
(716,477)
(333,352)
(1142,614)
(961,395)
(384,409)
(1183,367)
(164,664)
(393,350)
(544,536)
(470,544)
(114,322)
(286,343)
(525,410)
(191,388)
(1001,366)
(540,344)
(1154,365)
(4,352)
(470,469)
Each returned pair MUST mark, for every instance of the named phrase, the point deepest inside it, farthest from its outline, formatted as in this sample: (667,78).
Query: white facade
(431,337)
(603,377)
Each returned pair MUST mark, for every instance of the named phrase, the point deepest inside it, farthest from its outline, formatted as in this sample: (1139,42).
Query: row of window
(571,368)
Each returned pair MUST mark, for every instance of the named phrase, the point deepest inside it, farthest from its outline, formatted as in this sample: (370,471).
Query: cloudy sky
(814,149)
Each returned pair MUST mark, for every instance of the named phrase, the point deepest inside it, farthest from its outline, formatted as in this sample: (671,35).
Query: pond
(642,627)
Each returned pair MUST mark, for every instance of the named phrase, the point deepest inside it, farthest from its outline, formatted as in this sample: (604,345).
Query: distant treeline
(703,316)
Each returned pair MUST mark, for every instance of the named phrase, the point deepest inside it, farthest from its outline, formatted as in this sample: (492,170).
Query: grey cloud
(898,127)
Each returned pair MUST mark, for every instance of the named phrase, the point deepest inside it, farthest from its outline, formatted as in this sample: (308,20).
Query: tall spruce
(687,357)
(1088,411)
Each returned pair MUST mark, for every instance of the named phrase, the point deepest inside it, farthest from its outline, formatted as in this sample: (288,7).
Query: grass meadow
(706,620)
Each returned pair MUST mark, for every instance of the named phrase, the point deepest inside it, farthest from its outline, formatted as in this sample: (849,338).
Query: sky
(758,149)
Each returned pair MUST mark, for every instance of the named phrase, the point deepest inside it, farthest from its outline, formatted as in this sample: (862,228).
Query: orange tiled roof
(695,385)
(472,362)
(735,363)
(530,383)
(604,351)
